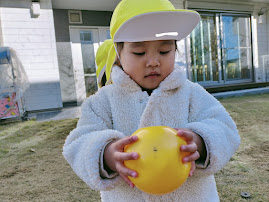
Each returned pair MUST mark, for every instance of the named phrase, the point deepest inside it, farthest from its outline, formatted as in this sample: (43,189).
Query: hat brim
(162,25)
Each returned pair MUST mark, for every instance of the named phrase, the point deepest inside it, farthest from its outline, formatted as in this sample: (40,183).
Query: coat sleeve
(209,119)
(83,146)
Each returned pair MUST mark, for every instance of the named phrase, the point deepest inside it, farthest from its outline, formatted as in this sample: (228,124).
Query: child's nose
(153,61)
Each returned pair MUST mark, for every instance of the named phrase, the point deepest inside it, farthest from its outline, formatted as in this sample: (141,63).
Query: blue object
(4,55)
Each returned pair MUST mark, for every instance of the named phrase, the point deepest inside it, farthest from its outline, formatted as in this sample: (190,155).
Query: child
(148,89)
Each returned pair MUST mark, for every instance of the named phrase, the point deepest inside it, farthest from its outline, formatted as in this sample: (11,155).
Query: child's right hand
(114,157)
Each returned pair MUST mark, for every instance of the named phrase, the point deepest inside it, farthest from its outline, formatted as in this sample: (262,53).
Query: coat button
(141,101)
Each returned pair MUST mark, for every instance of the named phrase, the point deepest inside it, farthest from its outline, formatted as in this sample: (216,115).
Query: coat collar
(175,80)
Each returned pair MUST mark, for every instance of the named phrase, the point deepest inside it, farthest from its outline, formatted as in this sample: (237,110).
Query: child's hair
(120,47)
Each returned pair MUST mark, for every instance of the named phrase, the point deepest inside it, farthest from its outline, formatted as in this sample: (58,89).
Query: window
(236,47)
(88,58)
(220,49)
(204,53)
(108,34)
(75,17)
(86,37)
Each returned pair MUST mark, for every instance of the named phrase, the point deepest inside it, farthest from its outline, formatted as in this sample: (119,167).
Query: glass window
(86,37)
(223,37)
(75,17)
(87,50)
(204,55)
(237,58)
(108,34)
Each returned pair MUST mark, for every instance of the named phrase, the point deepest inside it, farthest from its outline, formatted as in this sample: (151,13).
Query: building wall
(33,38)
(96,18)
(262,43)
(61,21)
(63,45)
(1,33)
(181,58)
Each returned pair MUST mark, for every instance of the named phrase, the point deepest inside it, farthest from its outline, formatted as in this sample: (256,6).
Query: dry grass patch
(32,167)
(248,170)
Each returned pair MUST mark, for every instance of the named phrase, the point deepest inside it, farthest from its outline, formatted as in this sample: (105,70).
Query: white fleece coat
(121,108)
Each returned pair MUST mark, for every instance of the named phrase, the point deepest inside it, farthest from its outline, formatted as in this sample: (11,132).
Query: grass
(32,167)
(248,170)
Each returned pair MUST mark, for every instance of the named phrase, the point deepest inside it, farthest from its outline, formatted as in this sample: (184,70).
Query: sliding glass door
(220,49)
(204,50)
(236,47)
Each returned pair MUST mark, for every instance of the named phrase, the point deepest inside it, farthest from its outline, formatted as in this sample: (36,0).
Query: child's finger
(124,156)
(189,148)
(187,135)
(192,157)
(193,167)
(127,140)
(121,169)
(127,181)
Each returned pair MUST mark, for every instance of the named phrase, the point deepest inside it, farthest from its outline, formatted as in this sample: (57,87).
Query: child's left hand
(195,145)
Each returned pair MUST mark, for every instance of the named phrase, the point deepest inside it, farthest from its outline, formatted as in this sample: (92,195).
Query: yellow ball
(159,166)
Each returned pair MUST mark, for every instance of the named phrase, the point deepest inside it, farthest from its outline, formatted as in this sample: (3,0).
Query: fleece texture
(119,109)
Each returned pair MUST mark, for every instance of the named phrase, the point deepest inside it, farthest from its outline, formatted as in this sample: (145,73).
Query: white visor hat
(148,20)
(163,25)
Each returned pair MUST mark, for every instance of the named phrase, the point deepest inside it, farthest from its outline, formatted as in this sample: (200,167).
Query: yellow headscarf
(101,58)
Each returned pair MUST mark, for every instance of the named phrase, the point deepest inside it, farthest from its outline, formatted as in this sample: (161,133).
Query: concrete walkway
(75,112)
(237,93)
(65,113)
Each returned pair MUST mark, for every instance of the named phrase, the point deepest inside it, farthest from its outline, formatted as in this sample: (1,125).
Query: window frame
(75,12)
(221,76)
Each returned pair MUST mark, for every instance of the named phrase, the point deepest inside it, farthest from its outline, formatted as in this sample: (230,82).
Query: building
(57,40)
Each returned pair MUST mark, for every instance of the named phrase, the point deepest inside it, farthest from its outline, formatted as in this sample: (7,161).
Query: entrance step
(237,93)
(235,87)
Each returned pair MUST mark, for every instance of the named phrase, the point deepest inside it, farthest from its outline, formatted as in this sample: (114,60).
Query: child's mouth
(152,75)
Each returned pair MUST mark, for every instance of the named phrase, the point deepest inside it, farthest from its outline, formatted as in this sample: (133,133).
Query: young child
(148,89)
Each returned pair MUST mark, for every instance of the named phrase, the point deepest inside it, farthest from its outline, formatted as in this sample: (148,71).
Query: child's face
(148,63)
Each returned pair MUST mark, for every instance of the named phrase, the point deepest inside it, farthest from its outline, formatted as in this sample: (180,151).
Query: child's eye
(164,52)
(142,53)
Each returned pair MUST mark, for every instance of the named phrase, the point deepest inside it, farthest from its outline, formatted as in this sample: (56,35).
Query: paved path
(65,113)
(75,112)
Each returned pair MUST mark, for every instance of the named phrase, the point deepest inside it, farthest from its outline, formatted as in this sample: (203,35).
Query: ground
(32,167)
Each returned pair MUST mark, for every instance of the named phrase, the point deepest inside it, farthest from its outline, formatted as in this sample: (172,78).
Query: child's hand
(114,158)
(195,145)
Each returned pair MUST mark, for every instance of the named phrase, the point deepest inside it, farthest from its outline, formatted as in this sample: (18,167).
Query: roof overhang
(110,5)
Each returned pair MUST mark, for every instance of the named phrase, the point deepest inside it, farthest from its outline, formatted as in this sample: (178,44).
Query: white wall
(181,45)
(33,38)
(262,39)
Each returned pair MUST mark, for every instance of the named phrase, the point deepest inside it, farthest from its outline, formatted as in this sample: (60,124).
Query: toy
(159,166)
(13,85)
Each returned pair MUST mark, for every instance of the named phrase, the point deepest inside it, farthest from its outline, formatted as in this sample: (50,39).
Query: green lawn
(32,167)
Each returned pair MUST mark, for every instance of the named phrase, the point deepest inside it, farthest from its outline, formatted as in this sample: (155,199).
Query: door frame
(102,36)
